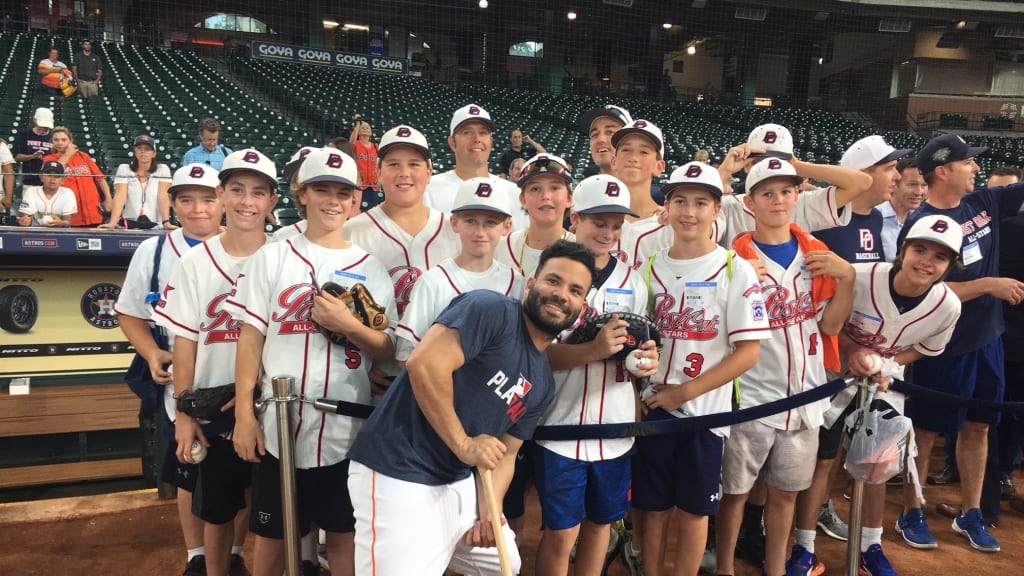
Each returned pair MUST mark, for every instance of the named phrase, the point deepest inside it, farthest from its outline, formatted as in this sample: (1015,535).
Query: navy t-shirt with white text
(860,241)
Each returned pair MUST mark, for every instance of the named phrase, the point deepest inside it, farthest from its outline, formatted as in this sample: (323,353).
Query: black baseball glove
(640,329)
(206,403)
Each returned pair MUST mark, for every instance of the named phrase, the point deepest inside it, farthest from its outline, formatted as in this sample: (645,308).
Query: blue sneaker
(913,526)
(972,526)
(803,563)
(874,563)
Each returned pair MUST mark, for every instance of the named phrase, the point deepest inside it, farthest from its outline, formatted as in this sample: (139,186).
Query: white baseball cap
(189,175)
(601,194)
(296,161)
(328,165)
(471,113)
(483,193)
(43,118)
(694,174)
(942,230)
(403,136)
(771,169)
(645,127)
(251,160)
(774,139)
(870,151)
(544,164)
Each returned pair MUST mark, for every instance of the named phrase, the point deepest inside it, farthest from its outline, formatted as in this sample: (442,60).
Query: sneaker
(634,561)
(874,563)
(1007,491)
(196,566)
(972,526)
(948,475)
(831,524)
(237,567)
(750,542)
(913,526)
(803,563)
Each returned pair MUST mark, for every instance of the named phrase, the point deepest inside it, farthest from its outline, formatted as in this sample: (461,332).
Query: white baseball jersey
(436,289)
(440,195)
(703,310)
(35,202)
(274,293)
(792,361)
(641,238)
(876,323)
(815,210)
(405,257)
(289,231)
(135,291)
(513,251)
(598,392)
(192,307)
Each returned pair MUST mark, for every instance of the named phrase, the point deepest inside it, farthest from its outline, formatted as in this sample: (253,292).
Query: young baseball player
(639,158)
(902,312)
(481,219)
(205,335)
(972,364)
(807,296)
(472,390)
(194,199)
(583,485)
(291,172)
(545,193)
(51,204)
(709,308)
(279,301)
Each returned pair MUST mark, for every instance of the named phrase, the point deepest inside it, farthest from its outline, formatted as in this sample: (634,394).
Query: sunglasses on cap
(544,165)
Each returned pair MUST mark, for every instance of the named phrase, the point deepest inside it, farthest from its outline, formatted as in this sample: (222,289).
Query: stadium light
(349,26)
(571,15)
(691,49)
(667,25)
(329,24)
(483,3)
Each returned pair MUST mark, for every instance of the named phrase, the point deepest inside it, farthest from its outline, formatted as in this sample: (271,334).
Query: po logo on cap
(612,189)
(940,227)
(334,161)
(474,111)
(693,171)
(403,132)
(774,164)
(251,158)
(639,124)
(770,137)
(483,190)
(196,172)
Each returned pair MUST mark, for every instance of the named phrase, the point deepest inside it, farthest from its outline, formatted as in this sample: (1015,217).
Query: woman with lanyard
(140,190)
(84,178)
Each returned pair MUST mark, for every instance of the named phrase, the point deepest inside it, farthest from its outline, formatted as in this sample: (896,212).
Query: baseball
(874,363)
(47,219)
(635,363)
(198,452)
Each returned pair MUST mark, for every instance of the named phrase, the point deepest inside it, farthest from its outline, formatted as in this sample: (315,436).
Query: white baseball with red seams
(198,452)
(635,363)
(874,363)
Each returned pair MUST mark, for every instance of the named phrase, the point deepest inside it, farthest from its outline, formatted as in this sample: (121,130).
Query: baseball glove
(361,304)
(206,403)
(640,329)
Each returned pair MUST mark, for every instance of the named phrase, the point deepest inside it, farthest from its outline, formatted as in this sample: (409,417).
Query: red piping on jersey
(217,264)
(945,292)
(717,272)
(511,282)
(302,388)
(450,281)
(409,330)
(822,288)
(426,247)
(629,272)
(174,246)
(323,415)
(176,323)
(393,239)
(831,210)
(360,261)
(636,247)
(248,312)
(512,253)
(301,256)
(743,330)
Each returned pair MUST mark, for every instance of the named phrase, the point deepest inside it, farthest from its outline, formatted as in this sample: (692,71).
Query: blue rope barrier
(925,393)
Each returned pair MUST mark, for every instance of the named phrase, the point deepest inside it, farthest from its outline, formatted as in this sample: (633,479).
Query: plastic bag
(877,440)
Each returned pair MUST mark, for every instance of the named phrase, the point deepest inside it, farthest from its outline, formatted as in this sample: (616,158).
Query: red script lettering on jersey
(687,324)
(222,327)
(297,304)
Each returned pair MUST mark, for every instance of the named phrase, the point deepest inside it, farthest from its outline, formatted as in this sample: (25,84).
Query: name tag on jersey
(339,274)
(972,253)
(618,300)
(698,295)
(866,322)
(806,280)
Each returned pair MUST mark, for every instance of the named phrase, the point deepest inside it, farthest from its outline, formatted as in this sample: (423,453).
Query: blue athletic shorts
(681,470)
(976,374)
(571,490)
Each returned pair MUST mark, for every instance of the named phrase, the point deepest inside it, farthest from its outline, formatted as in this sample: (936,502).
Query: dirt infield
(134,533)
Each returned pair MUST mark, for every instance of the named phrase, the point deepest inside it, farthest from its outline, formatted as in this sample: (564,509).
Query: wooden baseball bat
(492,510)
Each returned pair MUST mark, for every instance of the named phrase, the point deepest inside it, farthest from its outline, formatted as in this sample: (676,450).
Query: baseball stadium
(482,287)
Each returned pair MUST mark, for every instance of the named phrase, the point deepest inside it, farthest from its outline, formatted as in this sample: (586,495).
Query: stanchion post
(283,397)
(856,503)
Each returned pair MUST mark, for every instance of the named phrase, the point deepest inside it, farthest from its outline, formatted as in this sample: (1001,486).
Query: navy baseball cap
(144,140)
(943,150)
(53,167)
(616,113)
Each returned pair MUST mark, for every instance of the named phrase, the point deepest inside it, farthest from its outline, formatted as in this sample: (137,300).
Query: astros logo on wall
(98,305)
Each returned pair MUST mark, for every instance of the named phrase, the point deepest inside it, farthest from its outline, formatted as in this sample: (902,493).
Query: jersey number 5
(696,364)
(352,358)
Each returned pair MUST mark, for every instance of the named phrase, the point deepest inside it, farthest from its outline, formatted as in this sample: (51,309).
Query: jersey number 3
(696,364)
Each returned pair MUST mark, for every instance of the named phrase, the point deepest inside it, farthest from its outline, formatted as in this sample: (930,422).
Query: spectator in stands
(51,204)
(141,200)
(1004,176)
(209,151)
(51,65)
(366,159)
(911,191)
(515,170)
(522,147)
(31,146)
(702,155)
(87,68)
(471,138)
(7,167)
(600,124)
(84,178)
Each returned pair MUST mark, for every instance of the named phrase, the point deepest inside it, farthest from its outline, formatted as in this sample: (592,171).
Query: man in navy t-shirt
(972,364)
(474,388)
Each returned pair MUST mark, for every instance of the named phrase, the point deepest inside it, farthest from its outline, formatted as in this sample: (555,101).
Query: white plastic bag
(877,439)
